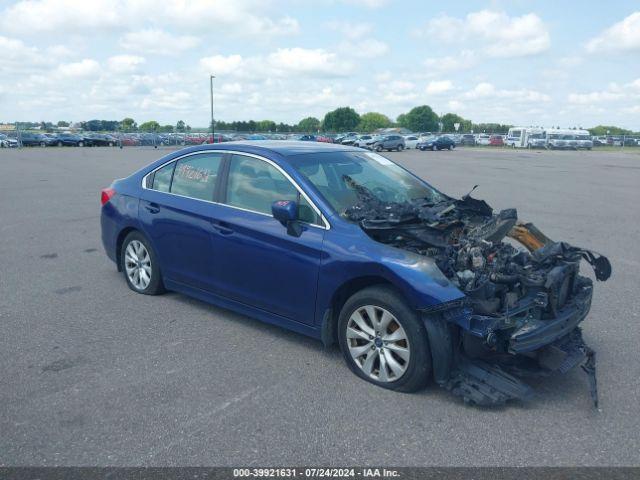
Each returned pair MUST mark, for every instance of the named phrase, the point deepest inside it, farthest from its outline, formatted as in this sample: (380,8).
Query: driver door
(256,261)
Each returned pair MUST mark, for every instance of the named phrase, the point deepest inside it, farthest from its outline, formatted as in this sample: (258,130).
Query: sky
(552,63)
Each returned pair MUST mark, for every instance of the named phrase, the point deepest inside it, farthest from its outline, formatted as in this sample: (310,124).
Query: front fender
(356,256)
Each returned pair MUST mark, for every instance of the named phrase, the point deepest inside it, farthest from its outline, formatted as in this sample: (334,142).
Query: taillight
(106,195)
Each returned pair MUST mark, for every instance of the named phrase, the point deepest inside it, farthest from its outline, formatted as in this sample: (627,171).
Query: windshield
(339,175)
(536,135)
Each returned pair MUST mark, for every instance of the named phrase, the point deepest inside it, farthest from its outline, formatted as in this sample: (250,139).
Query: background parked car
(468,139)
(305,138)
(7,142)
(100,140)
(69,140)
(29,139)
(483,139)
(349,138)
(441,142)
(389,142)
(364,141)
(324,139)
(496,141)
(410,141)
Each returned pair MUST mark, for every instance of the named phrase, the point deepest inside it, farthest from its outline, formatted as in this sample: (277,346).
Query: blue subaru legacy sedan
(345,246)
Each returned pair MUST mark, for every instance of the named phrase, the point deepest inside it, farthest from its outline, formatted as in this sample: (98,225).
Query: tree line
(419,119)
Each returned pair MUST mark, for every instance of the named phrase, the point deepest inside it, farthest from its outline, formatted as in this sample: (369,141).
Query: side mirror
(286,212)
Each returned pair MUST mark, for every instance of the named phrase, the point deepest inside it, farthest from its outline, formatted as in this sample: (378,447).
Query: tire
(434,148)
(111,144)
(149,262)
(450,147)
(408,375)
(400,148)
(378,148)
(59,144)
(81,144)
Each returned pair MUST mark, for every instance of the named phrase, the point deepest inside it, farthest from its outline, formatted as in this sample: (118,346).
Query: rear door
(177,211)
(258,262)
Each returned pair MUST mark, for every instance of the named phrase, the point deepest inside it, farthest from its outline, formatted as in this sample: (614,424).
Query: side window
(195,176)
(254,185)
(162,178)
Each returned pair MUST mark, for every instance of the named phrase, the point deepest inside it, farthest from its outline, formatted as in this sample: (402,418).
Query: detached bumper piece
(484,384)
(492,383)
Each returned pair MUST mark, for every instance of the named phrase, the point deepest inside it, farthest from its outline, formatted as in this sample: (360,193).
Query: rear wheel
(140,265)
(400,148)
(59,144)
(42,144)
(379,148)
(81,144)
(450,147)
(383,341)
(434,148)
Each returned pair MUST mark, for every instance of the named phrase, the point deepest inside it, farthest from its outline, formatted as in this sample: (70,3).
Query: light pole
(213,137)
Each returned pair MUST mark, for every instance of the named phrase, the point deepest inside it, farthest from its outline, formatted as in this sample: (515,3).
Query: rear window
(195,176)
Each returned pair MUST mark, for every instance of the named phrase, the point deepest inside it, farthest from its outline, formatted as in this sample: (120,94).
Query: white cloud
(437,87)
(499,34)
(629,92)
(463,61)
(222,65)
(624,35)
(157,41)
(82,69)
(125,63)
(55,15)
(481,90)
(593,97)
(240,17)
(308,61)
(487,91)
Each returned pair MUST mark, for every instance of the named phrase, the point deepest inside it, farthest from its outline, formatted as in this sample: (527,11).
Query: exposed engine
(525,301)
(467,241)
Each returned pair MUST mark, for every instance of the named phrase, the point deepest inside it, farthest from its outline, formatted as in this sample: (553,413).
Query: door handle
(221,227)
(152,207)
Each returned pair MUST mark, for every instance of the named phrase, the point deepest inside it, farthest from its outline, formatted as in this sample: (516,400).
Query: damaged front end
(522,307)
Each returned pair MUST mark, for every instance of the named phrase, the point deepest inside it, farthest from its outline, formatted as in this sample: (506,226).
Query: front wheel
(400,148)
(81,144)
(383,341)
(379,148)
(450,147)
(140,265)
(434,148)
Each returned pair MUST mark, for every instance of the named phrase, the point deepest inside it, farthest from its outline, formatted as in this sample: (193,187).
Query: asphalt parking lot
(94,374)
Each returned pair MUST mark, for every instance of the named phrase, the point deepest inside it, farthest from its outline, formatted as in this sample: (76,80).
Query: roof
(285,147)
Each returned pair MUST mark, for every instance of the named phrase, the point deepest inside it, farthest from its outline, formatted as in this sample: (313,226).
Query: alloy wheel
(137,263)
(378,343)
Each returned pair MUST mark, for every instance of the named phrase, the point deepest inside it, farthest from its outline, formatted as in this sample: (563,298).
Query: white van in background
(583,137)
(561,139)
(526,137)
